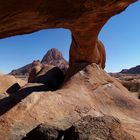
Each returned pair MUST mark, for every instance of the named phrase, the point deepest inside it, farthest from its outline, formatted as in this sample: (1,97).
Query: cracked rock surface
(87,128)
(91,91)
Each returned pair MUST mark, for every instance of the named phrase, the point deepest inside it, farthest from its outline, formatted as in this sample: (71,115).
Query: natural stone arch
(84,18)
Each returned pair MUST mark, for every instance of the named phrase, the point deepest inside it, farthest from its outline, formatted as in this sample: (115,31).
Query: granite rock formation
(53,57)
(91,91)
(84,18)
(87,128)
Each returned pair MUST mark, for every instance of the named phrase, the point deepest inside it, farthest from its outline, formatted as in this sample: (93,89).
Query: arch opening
(48,48)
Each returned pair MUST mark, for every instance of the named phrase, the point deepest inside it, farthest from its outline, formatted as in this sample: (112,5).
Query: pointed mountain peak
(52,54)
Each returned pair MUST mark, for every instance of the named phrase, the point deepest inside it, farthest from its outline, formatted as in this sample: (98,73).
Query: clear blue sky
(121,37)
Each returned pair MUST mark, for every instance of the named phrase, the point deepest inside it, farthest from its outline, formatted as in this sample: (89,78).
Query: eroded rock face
(96,128)
(84,18)
(87,128)
(45,132)
(99,55)
(91,91)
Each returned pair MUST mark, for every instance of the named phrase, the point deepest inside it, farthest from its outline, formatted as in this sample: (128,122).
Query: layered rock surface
(91,91)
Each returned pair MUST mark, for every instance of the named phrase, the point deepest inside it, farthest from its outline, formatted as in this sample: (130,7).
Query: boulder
(52,78)
(97,128)
(45,132)
(87,128)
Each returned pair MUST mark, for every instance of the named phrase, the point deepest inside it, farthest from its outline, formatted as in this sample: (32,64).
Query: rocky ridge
(53,58)
(134,70)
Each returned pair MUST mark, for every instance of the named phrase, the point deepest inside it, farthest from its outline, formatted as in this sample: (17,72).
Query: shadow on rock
(53,78)
(14,88)
(7,103)
(51,81)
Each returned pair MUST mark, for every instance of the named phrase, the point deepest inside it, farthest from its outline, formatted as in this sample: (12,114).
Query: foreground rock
(45,132)
(91,91)
(88,128)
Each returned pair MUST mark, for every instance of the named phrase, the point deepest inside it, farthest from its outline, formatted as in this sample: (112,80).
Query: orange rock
(102,53)
(84,18)
(98,56)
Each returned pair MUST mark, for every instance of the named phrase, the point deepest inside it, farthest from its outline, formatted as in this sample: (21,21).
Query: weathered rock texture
(88,128)
(89,92)
(96,128)
(84,18)
(100,54)
(130,81)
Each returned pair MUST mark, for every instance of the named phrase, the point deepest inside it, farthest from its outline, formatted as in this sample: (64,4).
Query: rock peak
(52,54)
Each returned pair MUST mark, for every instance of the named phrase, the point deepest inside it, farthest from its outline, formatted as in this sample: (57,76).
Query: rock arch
(84,18)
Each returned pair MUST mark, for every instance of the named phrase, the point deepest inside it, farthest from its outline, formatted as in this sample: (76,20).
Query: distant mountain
(52,57)
(134,70)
